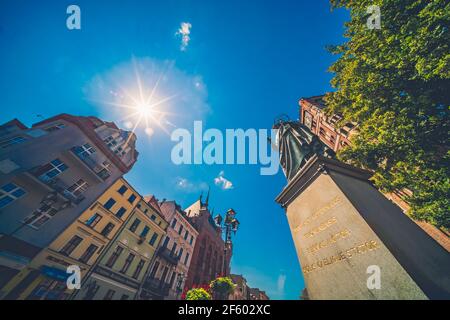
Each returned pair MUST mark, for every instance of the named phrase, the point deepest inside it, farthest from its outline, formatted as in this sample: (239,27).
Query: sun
(144,110)
(143,105)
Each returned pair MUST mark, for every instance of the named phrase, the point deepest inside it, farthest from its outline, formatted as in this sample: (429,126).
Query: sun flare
(143,105)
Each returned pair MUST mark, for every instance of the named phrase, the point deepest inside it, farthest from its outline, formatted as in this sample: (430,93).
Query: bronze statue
(296,145)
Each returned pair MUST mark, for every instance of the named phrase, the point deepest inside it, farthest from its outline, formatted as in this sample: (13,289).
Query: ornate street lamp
(180,279)
(230,224)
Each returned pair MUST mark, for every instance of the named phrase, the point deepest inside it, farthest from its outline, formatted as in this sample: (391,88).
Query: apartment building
(79,245)
(170,268)
(210,257)
(312,115)
(120,271)
(50,174)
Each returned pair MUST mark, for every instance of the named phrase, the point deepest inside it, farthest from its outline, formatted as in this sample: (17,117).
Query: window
(104,172)
(122,190)
(92,291)
(139,268)
(145,210)
(135,224)
(9,193)
(53,169)
(85,150)
(172,278)
(154,238)
(108,205)
(174,223)
(109,295)
(124,297)
(154,270)
(107,229)
(71,245)
(127,263)
(144,231)
(55,127)
(131,198)
(88,253)
(153,217)
(186,258)
(181,229)
(40,216)
(113,258)
(12,141)
(308,119)
(121,212)
(166,242)
(174,247)
(180,253)
(92,221)
(164,274)
(119,151)
(192,240)
(186,234)
(78,188)
(110,142)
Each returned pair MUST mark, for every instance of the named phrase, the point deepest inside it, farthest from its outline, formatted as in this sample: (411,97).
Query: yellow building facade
(81,245)
(121,270)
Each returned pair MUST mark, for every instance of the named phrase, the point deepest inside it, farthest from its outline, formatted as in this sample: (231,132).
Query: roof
(153,202)
(168,207)
(14,122)
(315,100)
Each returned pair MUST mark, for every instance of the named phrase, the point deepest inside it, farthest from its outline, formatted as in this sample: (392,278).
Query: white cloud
(184,32)
(189,186)
(222,182)
(280,283)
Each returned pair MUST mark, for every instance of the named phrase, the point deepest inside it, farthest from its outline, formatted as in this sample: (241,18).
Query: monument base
(353,243)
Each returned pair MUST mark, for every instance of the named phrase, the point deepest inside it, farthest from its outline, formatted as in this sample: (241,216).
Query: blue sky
(246,62)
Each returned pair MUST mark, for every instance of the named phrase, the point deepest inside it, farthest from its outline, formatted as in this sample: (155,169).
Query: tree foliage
(198,294)
(222,287)
(395,82)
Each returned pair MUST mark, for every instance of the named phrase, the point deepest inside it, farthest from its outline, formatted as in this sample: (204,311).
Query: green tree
(222,287)
(395,82)
(198,294)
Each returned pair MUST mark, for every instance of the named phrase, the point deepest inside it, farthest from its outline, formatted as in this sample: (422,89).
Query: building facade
(242,290)
(256,294)
(171,266)
(313,116)
(120,271)
(210,258)
(50,174)
(79,245)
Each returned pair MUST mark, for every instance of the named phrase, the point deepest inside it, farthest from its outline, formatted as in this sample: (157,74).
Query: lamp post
(230,224)
(180,279)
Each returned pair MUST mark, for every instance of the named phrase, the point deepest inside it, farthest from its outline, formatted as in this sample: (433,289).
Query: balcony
(167,255)
(59,186)
(156,287)
(99,170)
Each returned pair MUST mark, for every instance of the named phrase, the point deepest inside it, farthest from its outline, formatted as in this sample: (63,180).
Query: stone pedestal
(345,231)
